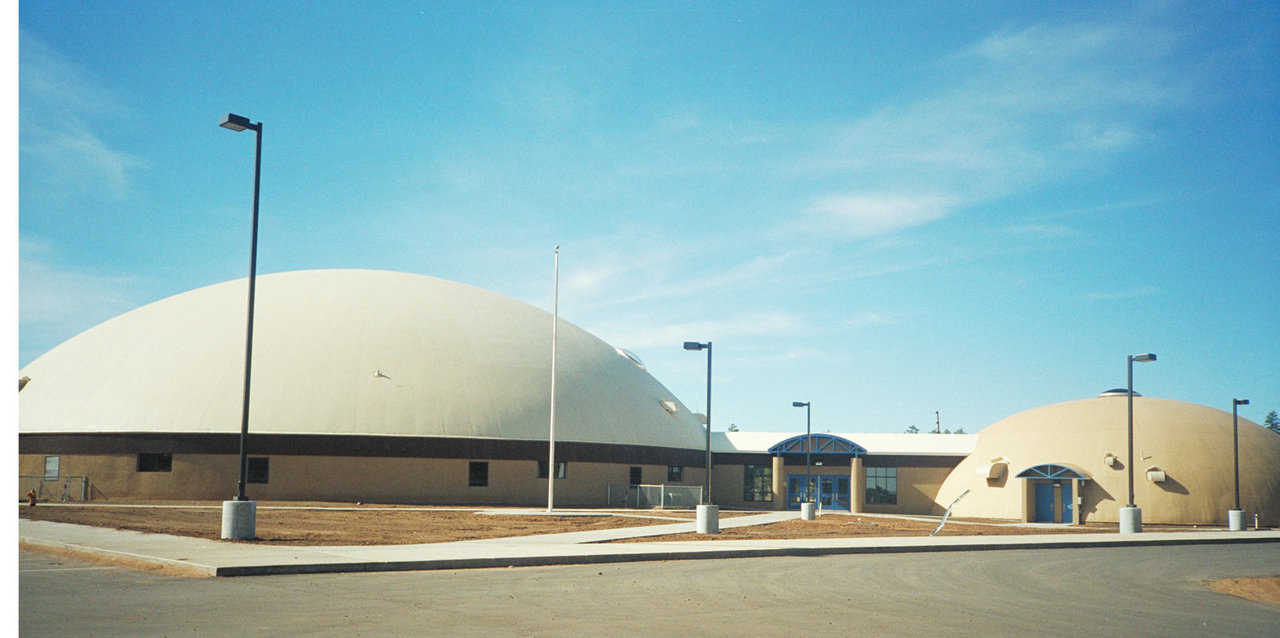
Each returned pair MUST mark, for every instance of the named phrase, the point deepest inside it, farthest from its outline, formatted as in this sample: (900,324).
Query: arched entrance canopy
(821,444)
(1052,471)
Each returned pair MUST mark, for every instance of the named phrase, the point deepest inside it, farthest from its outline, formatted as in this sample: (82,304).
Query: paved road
(1119,591)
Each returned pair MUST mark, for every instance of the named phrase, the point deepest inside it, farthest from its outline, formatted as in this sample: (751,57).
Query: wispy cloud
(864,215)
(1043,231)
(1026,106)
(56,302)
(642,335)
(1121,295)
(871,319)
(58,138)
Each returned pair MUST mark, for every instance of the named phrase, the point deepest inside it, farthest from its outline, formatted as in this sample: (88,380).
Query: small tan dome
(1187,446)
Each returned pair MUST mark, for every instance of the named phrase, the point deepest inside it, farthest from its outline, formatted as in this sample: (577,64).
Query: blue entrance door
(796,490)
(1044,503)
(1068,503)
(831,491)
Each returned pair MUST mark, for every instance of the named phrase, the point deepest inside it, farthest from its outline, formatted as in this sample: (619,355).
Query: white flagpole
(551,438)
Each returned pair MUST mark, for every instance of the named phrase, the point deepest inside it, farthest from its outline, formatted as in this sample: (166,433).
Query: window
(51,464)
(882,486)
(562,469)
(675,472)
(635,474)
(155,462)
(757,483)
(258,470)
(478,474)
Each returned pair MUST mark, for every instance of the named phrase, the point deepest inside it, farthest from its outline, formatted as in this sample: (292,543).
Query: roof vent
(1118,392)
(630,356)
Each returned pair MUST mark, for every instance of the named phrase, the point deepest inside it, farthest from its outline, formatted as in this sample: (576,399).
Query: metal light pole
(238,525)
(551,433)
(694,345)
(808,445)
(1235,518)
(1131,520)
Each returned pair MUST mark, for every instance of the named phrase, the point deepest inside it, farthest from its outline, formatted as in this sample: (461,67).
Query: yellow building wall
(337,478)
(917,491)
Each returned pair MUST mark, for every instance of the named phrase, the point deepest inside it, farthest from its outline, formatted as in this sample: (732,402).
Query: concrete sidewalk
(222,558)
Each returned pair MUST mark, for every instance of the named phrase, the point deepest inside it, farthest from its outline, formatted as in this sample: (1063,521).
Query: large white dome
(349,352)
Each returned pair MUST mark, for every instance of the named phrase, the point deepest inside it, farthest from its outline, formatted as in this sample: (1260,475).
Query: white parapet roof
(880,443)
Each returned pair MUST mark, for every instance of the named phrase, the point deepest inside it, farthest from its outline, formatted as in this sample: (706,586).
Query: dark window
(478,474)
(882,486)
(155,462)
(757,483)
(259,469)
(675,472)
(635,475)
(562,469)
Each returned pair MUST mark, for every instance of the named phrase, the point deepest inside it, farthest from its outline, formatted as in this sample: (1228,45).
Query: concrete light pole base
(1130,520)
(239,520)
(1235,520)
(708,519)
(807,511)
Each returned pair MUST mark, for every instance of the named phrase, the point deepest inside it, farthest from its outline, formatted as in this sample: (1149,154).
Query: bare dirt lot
(353,526)
(292,523)
(848,526)
(1263,590)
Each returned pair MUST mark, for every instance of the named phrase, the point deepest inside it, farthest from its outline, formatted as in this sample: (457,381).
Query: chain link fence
(63,489)
(659,496)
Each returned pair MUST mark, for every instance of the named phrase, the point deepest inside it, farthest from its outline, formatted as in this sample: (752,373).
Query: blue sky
(884,208)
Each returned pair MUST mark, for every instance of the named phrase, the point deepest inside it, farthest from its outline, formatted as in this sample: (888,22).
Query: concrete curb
(661,555)
(54,546)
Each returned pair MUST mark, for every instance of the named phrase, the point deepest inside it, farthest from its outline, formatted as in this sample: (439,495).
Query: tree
(1272,421)
(733,427)
(959,430)
(912,430)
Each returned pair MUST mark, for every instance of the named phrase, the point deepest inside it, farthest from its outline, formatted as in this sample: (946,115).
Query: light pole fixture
(1134,523)
(239,123)
(694,345)
(808,445)
(1235,442)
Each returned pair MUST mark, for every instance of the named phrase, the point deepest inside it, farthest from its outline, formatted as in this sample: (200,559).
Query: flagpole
(551,438)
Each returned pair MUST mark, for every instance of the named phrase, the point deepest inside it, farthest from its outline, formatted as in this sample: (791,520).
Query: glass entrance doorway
(832,491)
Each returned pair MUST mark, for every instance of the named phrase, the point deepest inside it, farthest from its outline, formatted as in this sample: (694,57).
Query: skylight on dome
(631,356)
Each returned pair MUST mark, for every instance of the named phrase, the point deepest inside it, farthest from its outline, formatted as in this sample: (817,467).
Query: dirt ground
(1262,590)
(292,523)
(849,526)
(335,526)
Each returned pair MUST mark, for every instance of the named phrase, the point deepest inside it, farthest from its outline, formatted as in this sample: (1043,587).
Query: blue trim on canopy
(1052,471)
(822,444)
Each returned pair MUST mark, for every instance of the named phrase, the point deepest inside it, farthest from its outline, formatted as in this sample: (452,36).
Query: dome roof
(349,352)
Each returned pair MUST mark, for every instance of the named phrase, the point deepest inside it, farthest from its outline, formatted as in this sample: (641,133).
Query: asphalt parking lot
(1119,591)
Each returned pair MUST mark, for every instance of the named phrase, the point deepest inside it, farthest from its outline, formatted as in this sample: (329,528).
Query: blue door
(1044,503)
(841,501)
(831,491)
(796,490)
(1068,504)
